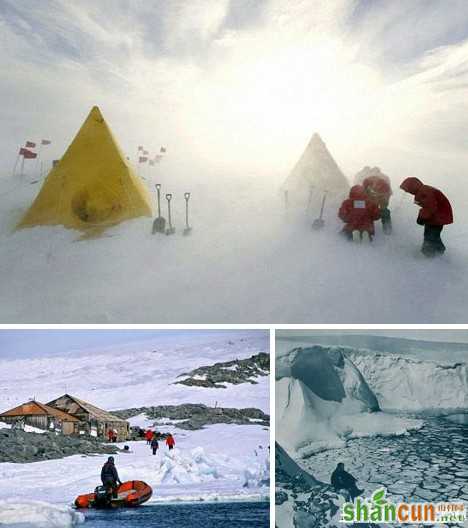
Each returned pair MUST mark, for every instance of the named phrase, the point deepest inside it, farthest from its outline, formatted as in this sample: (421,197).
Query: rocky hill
(19,446)
(195,416)
(236,372)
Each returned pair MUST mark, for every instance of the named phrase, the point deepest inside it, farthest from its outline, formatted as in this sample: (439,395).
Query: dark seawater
(184,515)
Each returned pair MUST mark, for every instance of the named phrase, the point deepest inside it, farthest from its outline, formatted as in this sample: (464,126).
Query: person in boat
(154,444)
(342,480)
(170,442)
(110,477)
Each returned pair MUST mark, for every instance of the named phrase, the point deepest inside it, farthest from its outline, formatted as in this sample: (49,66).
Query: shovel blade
(187,231)
(318,224)
(159,225)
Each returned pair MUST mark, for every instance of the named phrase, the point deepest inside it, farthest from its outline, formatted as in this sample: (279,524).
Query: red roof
(35,408)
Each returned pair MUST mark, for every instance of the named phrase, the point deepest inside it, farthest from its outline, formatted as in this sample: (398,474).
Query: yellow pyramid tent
(92,186)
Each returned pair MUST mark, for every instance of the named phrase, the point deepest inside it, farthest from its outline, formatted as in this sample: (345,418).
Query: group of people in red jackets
(369,200)
(152,439)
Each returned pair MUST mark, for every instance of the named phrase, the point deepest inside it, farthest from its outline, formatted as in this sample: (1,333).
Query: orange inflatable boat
(128,495)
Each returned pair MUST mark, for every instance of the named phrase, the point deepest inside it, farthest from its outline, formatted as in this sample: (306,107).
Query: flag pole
(15,165)
(22,167)
(38,156)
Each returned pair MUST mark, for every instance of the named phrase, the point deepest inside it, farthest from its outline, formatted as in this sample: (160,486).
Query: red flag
(140,148)
(27,154)
(142,159)
(30,144)
(162,149)
(151,162)
(46,142)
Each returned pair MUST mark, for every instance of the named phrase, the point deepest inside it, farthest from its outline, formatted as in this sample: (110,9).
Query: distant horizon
(34,343)
(455,336)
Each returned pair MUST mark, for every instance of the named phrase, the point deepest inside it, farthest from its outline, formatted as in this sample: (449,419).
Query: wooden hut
(93,421)
(42,416)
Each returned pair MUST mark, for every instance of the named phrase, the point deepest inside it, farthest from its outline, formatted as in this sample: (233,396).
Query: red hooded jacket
(358,212)
(435,206)
(170,441)
(378,189)
(149,434)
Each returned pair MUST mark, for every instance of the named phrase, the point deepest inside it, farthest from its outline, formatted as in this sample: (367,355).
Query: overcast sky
(44,343)
(243,83)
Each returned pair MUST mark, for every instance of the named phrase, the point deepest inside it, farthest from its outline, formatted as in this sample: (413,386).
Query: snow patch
(27,428)
(211,463)
(36,514)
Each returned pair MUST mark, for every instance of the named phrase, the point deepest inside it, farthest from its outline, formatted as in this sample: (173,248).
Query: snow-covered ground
(38,514)
(219,462)
(245,262)
(137,374)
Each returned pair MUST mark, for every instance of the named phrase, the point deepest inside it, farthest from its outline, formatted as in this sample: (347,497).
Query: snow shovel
(170,230)
(187,229)
(159,225)
(318,223)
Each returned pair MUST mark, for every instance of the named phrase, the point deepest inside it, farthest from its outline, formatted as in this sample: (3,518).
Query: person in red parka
(435,212)
(110,435)
(358,213)
(149,436)
(378,190)
(170,442)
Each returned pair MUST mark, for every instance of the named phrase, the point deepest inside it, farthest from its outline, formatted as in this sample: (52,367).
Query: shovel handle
(158,186)
(169,197)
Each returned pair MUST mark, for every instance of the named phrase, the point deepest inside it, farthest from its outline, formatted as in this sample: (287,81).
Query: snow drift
(35,514)
(232,267)
(414,385)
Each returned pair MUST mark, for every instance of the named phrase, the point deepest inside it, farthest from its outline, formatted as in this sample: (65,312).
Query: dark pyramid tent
(316,171)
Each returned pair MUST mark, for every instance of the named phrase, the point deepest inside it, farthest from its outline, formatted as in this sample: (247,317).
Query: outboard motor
(102,497)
